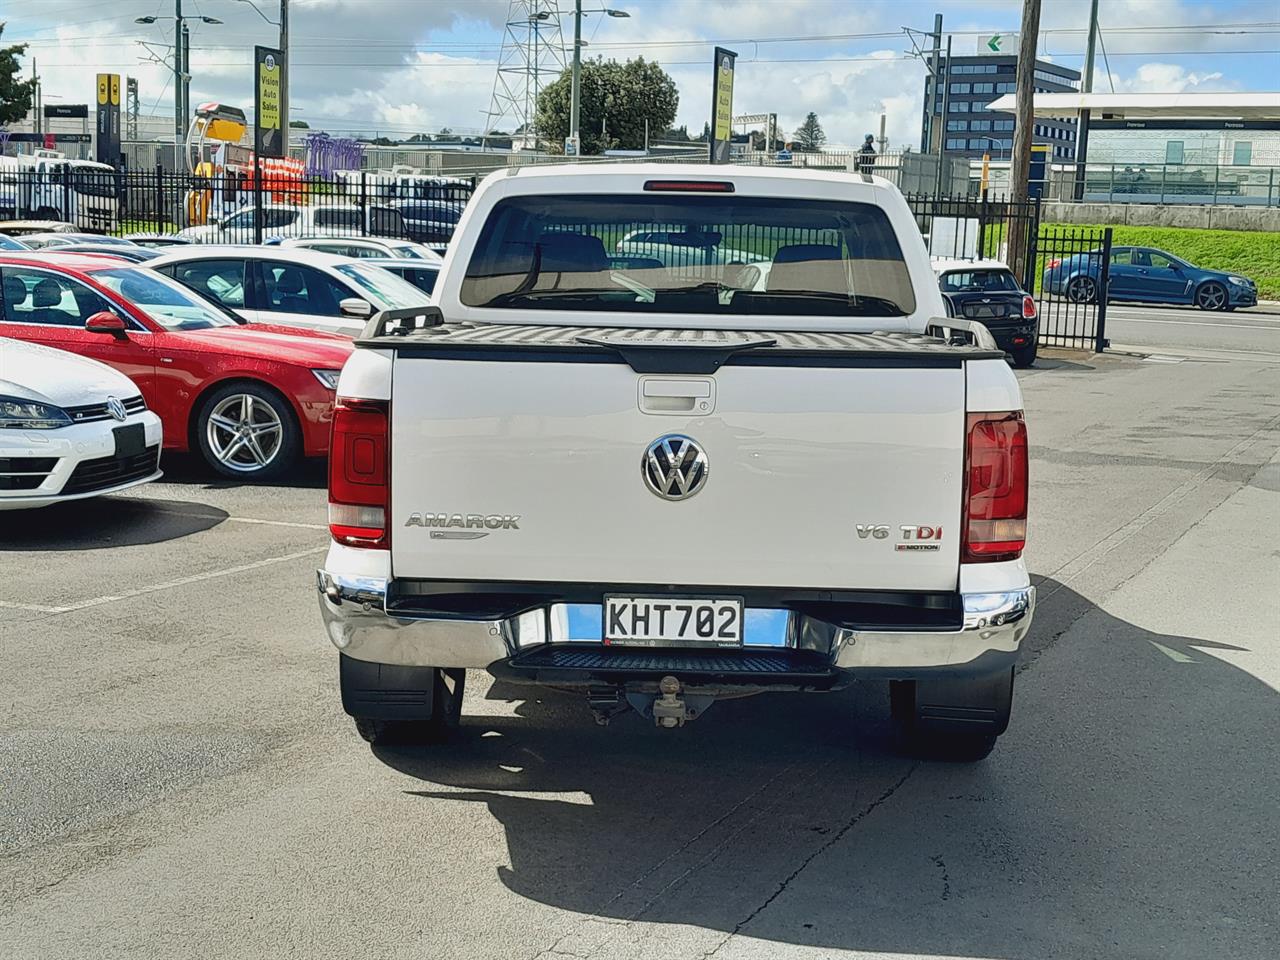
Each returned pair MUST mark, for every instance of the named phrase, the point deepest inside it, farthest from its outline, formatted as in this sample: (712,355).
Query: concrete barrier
(1206,217)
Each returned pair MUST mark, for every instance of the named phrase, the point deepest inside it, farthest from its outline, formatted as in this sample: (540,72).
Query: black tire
(401,705)
(951,720)
(274,449)
(1082,290)
(1024,357)
(1212,296)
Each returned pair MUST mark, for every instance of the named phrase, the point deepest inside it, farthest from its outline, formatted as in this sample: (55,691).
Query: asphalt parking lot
(178,777)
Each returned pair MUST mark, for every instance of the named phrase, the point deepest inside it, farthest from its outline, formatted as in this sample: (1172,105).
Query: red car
(250,397)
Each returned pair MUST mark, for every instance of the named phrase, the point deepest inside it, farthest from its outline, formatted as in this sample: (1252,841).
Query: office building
(971,128)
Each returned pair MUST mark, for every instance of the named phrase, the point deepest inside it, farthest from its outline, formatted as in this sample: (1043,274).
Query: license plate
(130,440)
(673,622)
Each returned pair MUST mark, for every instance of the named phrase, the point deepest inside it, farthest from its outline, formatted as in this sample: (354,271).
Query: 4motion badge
(911,538)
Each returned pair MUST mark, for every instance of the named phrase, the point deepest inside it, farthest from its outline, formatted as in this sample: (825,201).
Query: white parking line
(166,585)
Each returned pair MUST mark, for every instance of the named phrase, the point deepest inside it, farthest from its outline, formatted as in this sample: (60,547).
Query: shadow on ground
(188,468)
(105,522)
(1124,815)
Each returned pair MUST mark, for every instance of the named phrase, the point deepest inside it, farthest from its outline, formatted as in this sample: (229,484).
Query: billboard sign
(268,129)
(108,129)
(722,104)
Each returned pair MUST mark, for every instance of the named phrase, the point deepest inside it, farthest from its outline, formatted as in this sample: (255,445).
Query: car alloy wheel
(1082,290)
(1212,296)
(244,433)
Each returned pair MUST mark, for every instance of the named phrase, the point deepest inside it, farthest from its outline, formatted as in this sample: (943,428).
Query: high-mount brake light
(689,186)
(359,474)
(995,497)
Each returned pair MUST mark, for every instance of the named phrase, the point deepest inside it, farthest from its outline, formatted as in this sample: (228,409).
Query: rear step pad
(759,666)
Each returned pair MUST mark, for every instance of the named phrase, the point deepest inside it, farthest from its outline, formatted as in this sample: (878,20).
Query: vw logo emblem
(674,467)
(116,409)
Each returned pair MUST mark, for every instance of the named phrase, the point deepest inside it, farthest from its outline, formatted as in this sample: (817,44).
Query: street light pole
(180,81)
(284,73)
(575,88)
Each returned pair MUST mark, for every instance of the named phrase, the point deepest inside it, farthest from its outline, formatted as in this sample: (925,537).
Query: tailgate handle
(665,395)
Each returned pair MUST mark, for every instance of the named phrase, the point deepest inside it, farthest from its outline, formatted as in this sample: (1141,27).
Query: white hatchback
(70,428)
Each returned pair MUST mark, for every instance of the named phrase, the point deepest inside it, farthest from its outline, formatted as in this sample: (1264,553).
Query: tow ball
(669,710)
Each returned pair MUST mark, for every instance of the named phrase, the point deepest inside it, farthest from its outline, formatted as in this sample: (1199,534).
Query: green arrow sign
(993,43)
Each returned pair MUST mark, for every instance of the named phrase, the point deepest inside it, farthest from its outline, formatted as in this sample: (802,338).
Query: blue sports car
(1148,274)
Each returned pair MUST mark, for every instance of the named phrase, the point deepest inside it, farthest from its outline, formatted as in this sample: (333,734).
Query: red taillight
(1028,307)
(1053,263)
(995,515)
(359,481)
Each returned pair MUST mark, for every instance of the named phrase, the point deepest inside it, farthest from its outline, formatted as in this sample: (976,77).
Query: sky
(396,67)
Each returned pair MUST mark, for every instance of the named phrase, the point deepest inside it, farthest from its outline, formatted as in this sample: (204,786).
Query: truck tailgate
(507,470)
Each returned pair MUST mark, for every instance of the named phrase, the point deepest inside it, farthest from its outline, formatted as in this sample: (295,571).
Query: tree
(15,94)
(299,125)
(618,97)
(809,137)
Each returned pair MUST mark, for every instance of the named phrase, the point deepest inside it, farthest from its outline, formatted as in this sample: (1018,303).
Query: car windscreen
(94,183)
(806,257)
(167,302)
(435,213)
(383,289)
(339,217)
(978,281)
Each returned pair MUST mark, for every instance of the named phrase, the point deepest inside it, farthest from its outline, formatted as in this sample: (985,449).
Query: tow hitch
(668,702)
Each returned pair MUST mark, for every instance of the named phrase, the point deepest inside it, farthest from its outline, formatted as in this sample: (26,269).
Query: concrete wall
(1164,215)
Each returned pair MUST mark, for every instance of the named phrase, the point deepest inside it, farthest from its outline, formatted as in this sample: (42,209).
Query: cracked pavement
(177,777)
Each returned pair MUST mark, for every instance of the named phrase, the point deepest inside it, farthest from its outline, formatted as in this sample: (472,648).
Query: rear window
(975,281)
(685,254)
(337,218)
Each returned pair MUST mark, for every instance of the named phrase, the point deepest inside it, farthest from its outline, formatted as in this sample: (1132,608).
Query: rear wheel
(1082,290)
(395,704)
(1212,296)
(247,431)
(1024,356)
(955,720)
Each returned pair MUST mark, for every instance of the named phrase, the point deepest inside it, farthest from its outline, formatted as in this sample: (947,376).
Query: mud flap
(962,704)
(384,691)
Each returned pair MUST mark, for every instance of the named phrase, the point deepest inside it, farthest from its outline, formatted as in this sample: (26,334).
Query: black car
(132,254)
(987,291)
(430,222)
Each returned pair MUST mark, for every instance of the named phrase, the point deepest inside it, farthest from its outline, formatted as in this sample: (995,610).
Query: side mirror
(356,308)
(104,321)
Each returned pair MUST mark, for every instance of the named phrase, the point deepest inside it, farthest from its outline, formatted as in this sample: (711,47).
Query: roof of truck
(687,171)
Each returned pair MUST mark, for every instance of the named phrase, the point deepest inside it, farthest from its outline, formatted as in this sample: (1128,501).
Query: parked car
(70,427)
(988,292)
(1148,275)
(131,253)
(689,248)
(9,243)
(417,272)
(365,248)
(279,220)
(290,287)
(62,238)
(24,228)
(248,397)
(430,222)
(156,239)
(664,499)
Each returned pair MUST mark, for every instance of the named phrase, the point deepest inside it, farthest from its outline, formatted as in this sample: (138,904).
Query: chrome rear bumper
(356,621)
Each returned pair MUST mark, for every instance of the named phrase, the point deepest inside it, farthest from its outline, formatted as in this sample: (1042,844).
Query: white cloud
(1169,78)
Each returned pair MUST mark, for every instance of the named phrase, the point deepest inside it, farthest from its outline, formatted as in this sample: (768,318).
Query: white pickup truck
(660,486)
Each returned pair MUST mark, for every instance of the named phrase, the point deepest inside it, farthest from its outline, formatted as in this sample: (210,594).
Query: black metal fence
(1065,268)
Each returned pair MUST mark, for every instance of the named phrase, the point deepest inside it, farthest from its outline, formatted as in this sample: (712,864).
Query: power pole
(926,140)
(179,75)
(131,100)
(284,73)
(185,112)
(945,80)
(1024,128)
(1082,125)
(575,83)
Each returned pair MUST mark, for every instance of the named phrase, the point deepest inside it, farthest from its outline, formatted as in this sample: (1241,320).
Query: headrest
(46,293)
(15,291)
(797,252)
(290,283)
(572,253)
